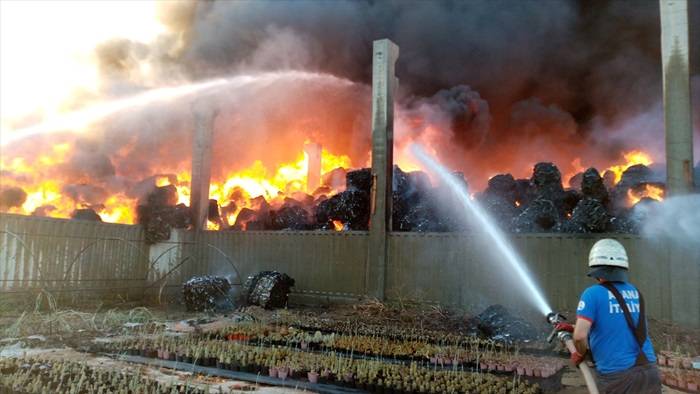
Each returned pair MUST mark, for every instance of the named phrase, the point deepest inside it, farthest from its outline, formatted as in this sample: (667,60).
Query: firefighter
(612,326)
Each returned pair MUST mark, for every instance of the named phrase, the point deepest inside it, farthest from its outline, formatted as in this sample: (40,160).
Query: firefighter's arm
(581,331)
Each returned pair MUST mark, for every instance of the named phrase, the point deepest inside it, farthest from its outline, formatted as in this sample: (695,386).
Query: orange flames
(631,158)
(338,225)
(240,187)
(649,191)
(41,179)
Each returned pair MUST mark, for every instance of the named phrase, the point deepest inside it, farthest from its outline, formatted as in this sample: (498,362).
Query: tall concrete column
(313,174)
(204,116)
(677,118)
(384,86)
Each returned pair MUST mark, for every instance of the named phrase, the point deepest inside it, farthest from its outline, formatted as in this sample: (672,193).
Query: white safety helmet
(608,260)
(608,252)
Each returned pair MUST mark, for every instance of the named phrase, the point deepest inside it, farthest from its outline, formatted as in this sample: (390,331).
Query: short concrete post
(384,86)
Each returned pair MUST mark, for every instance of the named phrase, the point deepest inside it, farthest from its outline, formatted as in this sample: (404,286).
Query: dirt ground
(70,333)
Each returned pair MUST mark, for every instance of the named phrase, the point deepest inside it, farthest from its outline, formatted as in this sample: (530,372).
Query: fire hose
(567,340)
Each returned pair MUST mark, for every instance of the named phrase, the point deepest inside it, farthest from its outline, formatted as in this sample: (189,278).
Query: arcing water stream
(515,263)
(77,120)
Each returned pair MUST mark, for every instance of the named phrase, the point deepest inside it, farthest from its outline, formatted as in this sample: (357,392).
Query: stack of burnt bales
(501,198)
(350,206)
(591,212)
(159,213)
(546,204)
(412,206)
(539,204)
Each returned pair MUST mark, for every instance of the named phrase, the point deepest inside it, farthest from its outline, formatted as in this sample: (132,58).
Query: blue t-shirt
(611,341)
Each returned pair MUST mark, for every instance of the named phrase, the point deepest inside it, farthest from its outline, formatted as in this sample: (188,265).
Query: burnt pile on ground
(159,213)
(497,323)
(268,289)
(207,293)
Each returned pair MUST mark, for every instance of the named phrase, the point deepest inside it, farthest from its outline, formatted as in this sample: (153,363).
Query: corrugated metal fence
(71,257)
(454,269)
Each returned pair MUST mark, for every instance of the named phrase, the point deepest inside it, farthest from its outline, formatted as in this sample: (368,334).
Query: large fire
(631,158)
(46,195)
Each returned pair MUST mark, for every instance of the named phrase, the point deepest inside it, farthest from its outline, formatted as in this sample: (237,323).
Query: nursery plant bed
(242,376)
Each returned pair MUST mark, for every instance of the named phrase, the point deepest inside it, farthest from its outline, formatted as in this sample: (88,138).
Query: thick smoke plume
(564,71)
(488,86)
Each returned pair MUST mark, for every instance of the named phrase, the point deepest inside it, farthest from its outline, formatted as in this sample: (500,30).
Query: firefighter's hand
(577,358)
(564,327)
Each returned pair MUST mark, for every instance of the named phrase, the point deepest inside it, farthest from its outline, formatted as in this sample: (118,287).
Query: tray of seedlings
(29,376)
(680,371)
(443,352)
(330,367)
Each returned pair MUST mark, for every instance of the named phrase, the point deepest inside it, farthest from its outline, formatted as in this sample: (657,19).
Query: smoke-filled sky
(489,86)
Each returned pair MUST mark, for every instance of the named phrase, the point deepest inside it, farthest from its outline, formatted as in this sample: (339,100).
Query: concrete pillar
(677,118)
(313,174)
(384,86)
(204,116)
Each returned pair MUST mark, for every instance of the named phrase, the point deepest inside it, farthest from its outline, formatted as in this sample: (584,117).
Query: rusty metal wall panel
(68,256)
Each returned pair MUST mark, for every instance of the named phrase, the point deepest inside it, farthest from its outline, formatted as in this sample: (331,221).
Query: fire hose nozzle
(555,318)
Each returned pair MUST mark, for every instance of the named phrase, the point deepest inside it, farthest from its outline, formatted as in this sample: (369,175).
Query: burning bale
(540,216)
(589,216)
(290,217)
(351,207)
(207,293)
(547,181)
(86,214)
(411,209)
(268,289)
(359,180)
(500,199)
(160,213)
(593,186)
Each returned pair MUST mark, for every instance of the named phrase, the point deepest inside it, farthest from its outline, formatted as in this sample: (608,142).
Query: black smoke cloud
(490,85)
(594,66)
(591,58)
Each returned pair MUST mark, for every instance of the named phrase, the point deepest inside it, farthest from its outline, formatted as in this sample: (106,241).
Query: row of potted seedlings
(494,357)
(683,379)
(400,349)
(326,367)
(360,327)
(677,360)
(36,376)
